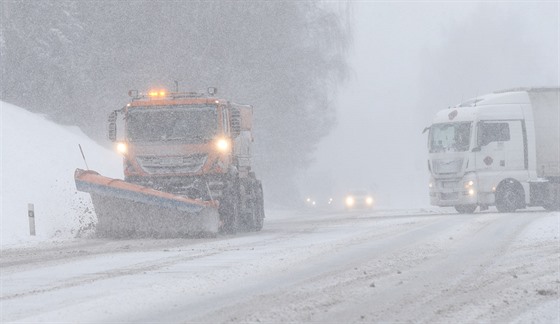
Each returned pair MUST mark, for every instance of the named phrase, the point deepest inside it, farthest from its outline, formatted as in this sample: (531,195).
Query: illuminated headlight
(222,145)
(430,185)
(369,200)
(349,201)
(122,148)
(471,192)
(469,184)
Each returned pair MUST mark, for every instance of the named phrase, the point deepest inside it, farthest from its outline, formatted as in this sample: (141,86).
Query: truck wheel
(247,217)
(509,197)
(465,209)
(259,207)
(229,208)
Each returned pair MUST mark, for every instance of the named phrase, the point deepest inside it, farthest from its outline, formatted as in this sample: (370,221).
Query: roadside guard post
(31,215)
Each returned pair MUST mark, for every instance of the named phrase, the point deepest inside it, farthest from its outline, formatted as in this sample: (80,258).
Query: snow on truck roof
(504,97)
(493,105)
(497,98)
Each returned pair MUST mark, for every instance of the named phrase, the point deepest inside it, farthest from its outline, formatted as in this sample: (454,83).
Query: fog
(341,90)
(410,60)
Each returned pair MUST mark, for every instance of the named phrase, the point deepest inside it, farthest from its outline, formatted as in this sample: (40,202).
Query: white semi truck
(500,149)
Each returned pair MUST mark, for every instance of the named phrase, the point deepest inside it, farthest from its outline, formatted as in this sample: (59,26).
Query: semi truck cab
(483,153)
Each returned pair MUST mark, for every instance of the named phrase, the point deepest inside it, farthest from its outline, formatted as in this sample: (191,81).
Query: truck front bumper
(453,192)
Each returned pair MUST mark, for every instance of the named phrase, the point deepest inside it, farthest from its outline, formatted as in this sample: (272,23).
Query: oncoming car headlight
(369,201)
(349,201)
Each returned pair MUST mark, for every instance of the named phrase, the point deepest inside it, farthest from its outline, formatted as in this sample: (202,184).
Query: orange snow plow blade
(128,210)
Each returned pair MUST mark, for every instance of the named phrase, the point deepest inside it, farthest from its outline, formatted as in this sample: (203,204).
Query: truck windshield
(186,123)
(450,137)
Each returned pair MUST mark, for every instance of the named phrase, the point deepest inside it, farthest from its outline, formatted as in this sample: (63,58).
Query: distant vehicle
(322,203)
(500,149)
(359,199)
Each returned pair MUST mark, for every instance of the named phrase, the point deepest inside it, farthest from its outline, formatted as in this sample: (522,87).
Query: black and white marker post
(31,215)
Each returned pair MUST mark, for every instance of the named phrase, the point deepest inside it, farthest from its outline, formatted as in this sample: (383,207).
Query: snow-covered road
(308,266)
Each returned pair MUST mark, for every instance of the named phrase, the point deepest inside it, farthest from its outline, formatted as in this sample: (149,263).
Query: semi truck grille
(447,166)
(449,196)
(172,164)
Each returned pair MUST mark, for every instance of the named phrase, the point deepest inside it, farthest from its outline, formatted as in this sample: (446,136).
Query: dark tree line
(76,60)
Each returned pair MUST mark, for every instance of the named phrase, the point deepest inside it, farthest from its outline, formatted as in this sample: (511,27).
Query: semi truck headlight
(369,200)
(222,145)
(122,148)
(349,201)
(469,184)
(471,192)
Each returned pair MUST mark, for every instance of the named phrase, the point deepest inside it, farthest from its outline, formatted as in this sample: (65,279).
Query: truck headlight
(122,147)
(369,200)
(222,144)
(349,201)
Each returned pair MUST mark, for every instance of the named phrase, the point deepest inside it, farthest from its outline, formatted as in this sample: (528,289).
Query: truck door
(502,146)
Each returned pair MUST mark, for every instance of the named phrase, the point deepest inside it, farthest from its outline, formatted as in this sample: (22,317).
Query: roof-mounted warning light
(157,93)
(163,94)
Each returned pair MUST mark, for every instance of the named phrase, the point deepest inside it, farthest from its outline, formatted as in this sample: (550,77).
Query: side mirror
(426,129)
(112,127)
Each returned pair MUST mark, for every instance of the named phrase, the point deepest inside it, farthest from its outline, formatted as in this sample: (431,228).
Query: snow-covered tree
(76,61)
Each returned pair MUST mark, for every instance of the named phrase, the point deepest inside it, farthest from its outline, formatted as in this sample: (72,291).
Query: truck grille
(449,196)
(447,166)
(172,164)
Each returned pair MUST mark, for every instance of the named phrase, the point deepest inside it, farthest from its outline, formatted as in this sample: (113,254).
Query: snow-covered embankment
(37,162)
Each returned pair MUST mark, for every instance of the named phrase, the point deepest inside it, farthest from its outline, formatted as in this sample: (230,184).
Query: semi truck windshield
(450,137)
(191,124)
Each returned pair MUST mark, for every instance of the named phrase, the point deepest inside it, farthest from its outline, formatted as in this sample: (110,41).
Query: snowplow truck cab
(191,145)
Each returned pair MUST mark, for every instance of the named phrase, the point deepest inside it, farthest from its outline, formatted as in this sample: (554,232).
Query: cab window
(489,132)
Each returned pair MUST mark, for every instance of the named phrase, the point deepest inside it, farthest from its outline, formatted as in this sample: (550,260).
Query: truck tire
(465,209)
(247,215)
(229,207)
(509,197)
(253,216)
(259,207)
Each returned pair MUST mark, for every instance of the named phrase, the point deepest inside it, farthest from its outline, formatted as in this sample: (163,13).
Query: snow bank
(38,159)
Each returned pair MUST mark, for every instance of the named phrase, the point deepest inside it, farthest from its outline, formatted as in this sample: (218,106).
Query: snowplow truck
(187,168)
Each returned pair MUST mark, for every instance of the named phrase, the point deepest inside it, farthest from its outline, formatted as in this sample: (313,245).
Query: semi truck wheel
(509,197)
(465,209)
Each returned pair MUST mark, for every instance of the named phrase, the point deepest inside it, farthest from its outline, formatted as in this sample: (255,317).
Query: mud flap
(127,210)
